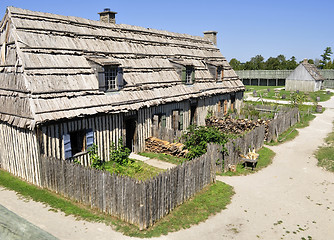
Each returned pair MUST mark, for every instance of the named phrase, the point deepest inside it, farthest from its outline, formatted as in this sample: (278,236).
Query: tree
(272,64)
(310,61)
(256,63)
(235,64)
(282,61)
(292,63)
(326,57)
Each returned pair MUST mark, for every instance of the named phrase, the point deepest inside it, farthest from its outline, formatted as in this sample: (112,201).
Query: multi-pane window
(219,74)
(189,71)
(110,78)
(188,75)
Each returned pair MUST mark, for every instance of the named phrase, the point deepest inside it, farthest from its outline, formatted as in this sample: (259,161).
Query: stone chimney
(212,36)
(305,60)
(108,16)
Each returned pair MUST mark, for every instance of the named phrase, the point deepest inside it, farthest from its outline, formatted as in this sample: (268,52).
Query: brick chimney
(212,36)
(107,16)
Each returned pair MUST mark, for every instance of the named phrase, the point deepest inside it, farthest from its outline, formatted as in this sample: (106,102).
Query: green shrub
(119,154)
(197,138)
(298,98)
(94,157)
(122,164)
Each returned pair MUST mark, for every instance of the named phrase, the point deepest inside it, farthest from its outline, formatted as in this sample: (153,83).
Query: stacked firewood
(235,126)
(153,144)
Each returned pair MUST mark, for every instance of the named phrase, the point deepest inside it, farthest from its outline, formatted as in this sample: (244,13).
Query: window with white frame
(219,75)
(110,76)
(189,75)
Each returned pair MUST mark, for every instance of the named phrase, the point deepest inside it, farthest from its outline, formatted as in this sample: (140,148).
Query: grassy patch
(44,196)
(209,201)
(325,154)
(265,158)
(322,94)
(311,96)
(138,170)
(163,157)
(261,88)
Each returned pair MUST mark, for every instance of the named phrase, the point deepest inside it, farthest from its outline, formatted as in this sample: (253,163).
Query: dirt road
(290,199)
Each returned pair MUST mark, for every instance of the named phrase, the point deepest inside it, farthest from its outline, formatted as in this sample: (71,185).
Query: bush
(197,138)
(122,164)
(94,158)
(119,154)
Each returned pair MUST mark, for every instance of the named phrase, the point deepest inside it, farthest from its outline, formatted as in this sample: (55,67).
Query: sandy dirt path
(290,199)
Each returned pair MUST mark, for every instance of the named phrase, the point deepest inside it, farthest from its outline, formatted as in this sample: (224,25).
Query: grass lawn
(260,88)
(163,157)
(322,94)
(265,159)
(325,154)
(56,202)
(209,201)
(311,96)
(138,170)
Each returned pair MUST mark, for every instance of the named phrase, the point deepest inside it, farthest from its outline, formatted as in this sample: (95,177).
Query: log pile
(236,126)
(156,145)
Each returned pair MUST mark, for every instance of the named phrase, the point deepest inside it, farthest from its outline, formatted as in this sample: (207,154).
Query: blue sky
(300,28)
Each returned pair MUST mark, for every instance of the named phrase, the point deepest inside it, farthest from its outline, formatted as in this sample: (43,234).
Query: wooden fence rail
(139,202)
(82,158)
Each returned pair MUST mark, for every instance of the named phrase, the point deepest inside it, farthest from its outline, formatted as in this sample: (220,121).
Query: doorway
(193,115)
(131,132)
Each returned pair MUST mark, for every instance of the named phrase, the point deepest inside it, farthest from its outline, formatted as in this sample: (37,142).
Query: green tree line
(281,62)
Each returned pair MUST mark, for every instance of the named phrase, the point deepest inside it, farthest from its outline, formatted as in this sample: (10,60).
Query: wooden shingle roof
(313,71)
(46,71)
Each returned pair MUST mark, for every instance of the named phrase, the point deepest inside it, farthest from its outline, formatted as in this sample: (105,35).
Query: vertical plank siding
(110,128)
(19,153)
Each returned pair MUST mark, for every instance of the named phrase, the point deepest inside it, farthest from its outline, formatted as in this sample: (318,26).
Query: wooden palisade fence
(256,137)
(139,202)
(285,118)
(144,202)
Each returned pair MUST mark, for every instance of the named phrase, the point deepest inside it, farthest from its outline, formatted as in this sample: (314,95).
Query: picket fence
(138,202)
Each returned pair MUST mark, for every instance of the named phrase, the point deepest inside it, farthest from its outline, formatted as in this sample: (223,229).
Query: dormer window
(189,71)
(219,74)
(188,75)
(111,78)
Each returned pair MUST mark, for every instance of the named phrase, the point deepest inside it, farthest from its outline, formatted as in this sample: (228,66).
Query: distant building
(306,77)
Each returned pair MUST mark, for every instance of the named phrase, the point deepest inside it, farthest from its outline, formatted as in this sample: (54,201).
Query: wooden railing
(82,158)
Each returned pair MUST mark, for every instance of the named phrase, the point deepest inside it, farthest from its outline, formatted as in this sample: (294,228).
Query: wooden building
(306,77)
(69,82)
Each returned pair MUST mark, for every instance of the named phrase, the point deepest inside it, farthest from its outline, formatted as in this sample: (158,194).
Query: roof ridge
(128,27)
